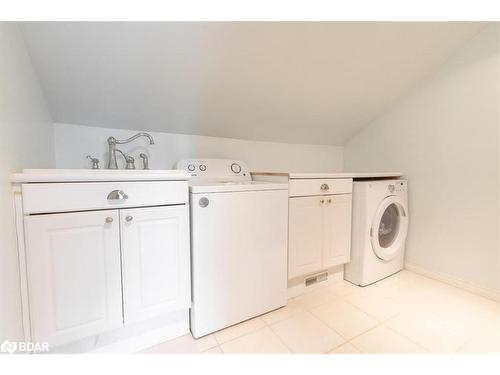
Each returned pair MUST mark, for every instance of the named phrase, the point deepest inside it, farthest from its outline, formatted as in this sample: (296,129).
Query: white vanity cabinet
(111,264)
(319,225)
(155,261)
(74,274)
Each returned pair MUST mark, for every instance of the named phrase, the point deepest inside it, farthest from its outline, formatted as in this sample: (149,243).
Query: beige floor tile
(405,294)
(407,276)
(283,313)
(238,330)
(486,342)
(382,340)
(346,348)
(427,331)
(417,313)
(463,311)
(303,333)
(379,307)
(315,298)
(184,344)
(263,341)
(343,288)
(215,350)
(344,318)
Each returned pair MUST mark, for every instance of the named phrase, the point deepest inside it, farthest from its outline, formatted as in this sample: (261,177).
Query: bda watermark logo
(8,347)
(11,347)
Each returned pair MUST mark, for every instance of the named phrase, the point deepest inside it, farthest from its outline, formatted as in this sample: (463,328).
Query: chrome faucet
(112,142)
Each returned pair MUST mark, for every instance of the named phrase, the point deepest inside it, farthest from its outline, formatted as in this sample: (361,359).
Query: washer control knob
(191,167)
(203,167)
(236,168)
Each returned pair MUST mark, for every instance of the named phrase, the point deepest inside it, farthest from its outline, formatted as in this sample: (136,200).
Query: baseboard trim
(178,327)
(454,281)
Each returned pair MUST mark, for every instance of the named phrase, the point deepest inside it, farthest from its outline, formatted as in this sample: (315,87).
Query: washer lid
(389,228)
(234,186)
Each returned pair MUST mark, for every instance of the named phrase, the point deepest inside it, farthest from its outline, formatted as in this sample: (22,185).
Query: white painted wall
(444,137)
(26,141)
(74,142)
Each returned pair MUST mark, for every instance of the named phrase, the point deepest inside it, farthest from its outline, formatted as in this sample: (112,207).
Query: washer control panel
(397,186)
(223,169)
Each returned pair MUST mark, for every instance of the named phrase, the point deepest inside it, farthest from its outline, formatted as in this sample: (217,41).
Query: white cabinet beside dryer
(319,225)
(114,262)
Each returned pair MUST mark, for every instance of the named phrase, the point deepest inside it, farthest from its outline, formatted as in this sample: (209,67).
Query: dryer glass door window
(389,228)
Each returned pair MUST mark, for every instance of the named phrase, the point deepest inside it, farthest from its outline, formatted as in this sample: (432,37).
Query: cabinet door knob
(324,187)
(129,218)
(109,220)
(329,201)
(322,201)
(117,195)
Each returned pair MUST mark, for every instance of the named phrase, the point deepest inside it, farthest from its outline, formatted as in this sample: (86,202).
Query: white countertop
(296,175)
(91,175)
(233,186)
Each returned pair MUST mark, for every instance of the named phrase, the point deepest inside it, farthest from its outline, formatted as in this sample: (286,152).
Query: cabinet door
(336,230)
(305,238)
(156,261)
(74,274)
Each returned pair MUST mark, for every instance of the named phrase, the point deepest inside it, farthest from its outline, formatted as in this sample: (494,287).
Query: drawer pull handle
(117,195)
(324,187)
(129,218)
(109,220)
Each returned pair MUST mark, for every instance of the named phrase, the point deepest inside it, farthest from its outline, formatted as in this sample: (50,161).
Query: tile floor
(405,313)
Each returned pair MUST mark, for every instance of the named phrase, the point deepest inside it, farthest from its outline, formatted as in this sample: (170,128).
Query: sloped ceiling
(295,82)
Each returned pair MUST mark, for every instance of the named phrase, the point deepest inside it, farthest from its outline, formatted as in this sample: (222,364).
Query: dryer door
(389,228)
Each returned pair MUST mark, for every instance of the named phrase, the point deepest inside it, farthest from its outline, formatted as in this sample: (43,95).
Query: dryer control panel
(397,186)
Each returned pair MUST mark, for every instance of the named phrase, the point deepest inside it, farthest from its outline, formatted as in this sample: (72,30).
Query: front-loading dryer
(379,229)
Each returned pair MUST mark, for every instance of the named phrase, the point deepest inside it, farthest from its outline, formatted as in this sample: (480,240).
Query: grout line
(274,332)
(358,348)
(341,335)
(303,308)
(410,339)
(281,340)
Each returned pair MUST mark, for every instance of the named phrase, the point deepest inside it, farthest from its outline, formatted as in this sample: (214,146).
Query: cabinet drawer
(317,186)
(64,197)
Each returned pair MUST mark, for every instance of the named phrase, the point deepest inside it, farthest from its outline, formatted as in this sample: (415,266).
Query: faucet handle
(128,159)
(145,161)
(94,161)
(130,162)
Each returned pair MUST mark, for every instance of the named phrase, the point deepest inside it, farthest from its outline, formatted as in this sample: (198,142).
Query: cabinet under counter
(319,226)
(108,268)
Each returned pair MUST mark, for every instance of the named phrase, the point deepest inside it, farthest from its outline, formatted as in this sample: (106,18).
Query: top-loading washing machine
(239,231)
(379,229)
